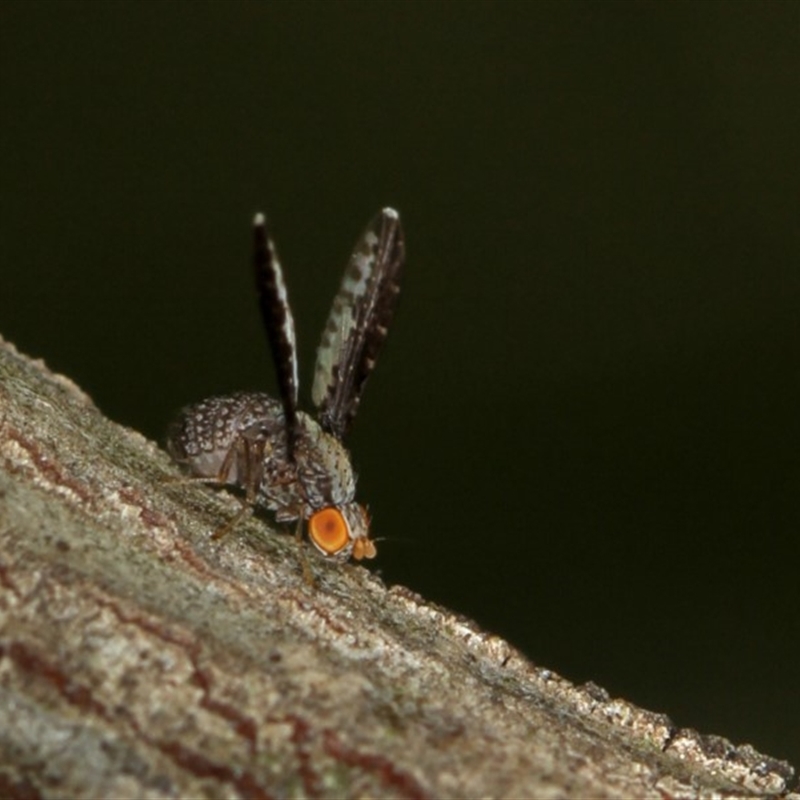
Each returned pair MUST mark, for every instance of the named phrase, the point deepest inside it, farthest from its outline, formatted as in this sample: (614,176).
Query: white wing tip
(390,212)
(258,220)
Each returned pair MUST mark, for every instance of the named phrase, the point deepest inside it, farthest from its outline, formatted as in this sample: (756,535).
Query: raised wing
(273,303)
(358,322)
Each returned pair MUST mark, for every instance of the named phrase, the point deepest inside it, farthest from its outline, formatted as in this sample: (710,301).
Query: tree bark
(141,658)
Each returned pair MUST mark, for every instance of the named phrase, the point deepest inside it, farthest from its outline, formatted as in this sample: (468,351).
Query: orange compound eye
(328,530)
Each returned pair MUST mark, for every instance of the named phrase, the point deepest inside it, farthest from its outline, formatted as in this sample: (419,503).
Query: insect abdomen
(206,435)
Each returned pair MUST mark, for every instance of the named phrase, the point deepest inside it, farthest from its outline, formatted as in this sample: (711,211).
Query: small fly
(283,459)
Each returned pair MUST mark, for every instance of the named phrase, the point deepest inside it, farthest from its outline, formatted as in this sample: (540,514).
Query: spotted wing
(358,322)
(273,303)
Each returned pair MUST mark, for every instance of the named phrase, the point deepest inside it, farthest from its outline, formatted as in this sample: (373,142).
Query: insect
(283,459)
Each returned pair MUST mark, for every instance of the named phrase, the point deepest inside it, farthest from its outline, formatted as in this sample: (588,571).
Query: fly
(285,460)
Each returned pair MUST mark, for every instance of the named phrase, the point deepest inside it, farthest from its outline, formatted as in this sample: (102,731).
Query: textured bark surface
(139,658)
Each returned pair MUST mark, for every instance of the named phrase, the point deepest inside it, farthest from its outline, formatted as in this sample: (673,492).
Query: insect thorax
(240,440)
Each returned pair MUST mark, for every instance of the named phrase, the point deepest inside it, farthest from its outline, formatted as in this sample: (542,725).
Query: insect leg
(248,456)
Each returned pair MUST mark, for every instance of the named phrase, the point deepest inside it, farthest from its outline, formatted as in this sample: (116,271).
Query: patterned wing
(273,302)
(358,322)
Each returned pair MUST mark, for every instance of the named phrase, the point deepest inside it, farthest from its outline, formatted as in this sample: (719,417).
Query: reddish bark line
(75,694)
(202,767)
(301,739)
(393,778)
(242,724)
(48,469)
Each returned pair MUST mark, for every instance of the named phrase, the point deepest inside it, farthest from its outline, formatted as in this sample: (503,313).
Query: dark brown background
(585,431)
